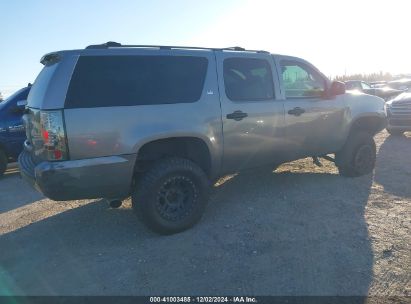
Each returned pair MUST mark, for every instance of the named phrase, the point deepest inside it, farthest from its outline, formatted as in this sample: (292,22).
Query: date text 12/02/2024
(239,299)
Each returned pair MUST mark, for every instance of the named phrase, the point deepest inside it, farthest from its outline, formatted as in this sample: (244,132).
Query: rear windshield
(104,81)
(39,88)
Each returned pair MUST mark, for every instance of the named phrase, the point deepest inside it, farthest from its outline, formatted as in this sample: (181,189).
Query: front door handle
(296,111)
(237,115)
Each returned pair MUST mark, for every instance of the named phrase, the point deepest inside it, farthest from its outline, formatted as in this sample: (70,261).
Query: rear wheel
(358,155)
(395,132)
(3,162)
(171,196)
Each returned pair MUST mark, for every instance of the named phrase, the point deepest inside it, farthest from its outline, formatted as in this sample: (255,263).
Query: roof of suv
(112,44)
(114,47)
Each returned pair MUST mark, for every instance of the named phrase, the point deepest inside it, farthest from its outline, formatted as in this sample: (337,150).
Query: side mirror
(19,107)
(337,88)
(22,103)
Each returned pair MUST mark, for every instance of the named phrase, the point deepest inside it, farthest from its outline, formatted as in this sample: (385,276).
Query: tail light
(53,135)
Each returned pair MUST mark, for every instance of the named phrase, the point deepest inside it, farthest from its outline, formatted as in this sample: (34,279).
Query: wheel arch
(193,148)
(371,123)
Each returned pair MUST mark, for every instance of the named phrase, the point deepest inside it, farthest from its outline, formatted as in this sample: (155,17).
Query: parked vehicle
(12,134)
(378,84)
(384,92)
(401,84)
(399,114)
(159,123)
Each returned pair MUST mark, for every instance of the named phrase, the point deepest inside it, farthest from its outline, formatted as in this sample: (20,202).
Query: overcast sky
(339,37)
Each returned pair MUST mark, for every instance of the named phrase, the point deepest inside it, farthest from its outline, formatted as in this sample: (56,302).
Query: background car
(401,84)
(398,112)
(12,134)
(378,84)
(385,92)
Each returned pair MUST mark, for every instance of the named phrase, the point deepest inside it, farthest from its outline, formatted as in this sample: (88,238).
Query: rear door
(252,114)
(313,121)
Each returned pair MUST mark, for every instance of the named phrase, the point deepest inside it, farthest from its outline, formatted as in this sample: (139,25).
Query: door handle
(296,111)
(237,115)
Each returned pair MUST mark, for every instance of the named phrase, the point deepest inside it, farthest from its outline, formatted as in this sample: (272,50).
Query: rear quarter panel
(106,131)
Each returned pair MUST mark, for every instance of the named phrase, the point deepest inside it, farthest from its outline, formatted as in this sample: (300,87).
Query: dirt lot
(301,230)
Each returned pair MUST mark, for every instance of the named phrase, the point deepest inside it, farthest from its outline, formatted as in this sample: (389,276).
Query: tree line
(381,76)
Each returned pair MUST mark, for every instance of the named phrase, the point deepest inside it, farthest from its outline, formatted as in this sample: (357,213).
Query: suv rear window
(105,81)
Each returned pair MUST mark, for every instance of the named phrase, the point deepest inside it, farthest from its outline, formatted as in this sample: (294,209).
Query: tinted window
(301,80)
(248,79)
(103,81)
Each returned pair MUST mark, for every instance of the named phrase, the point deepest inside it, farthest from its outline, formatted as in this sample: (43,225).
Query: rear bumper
(108,177)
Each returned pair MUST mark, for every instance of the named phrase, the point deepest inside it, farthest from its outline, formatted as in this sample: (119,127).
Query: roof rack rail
(112,44)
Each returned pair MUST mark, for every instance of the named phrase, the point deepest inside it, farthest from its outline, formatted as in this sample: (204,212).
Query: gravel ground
(302,230)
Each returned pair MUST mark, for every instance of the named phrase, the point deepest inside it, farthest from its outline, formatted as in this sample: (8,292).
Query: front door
(252,114)
(313,121)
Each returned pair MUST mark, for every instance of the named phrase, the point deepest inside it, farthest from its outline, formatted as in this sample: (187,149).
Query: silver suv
(160,123)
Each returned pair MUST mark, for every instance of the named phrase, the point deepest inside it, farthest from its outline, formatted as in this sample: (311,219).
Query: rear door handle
(237,115)
(296,111)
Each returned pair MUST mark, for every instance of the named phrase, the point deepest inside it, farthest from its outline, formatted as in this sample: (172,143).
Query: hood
(365,100)
(402,98)
(358,95)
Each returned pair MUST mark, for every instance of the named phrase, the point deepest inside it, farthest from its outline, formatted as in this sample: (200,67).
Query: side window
(105,81)
(365,86)
(301,81)
(248,79)
(350,86)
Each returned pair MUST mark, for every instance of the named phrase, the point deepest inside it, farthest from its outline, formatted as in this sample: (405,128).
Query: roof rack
(112,44)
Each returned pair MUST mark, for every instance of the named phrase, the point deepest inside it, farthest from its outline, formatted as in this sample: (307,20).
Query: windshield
(19,95)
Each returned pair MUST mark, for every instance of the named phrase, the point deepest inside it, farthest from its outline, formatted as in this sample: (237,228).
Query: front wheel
(358,155)
(171,196)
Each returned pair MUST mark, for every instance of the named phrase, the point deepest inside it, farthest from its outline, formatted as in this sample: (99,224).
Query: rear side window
(248,79)
(105,81)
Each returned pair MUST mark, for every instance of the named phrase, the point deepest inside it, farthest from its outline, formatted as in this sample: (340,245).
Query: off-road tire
(358,155)
(3,162)
(171,196)
(395,132)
